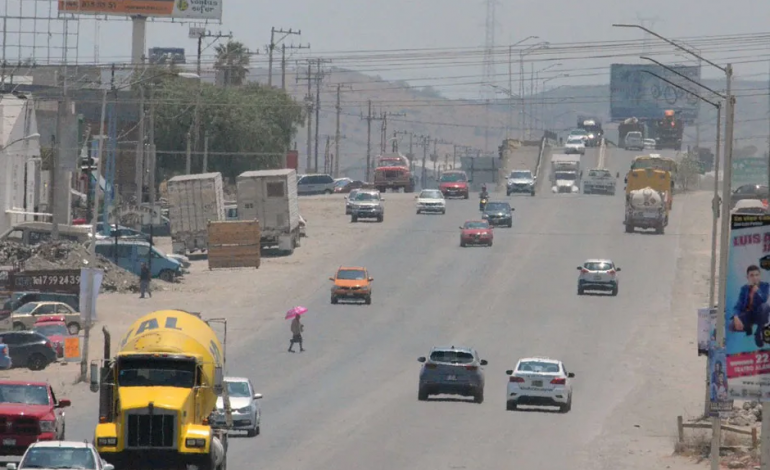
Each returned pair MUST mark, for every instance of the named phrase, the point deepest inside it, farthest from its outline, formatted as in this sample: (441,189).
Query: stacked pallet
(234,244)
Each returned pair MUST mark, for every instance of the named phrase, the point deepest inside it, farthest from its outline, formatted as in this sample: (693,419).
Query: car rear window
(476,225)
(597,266)
(454,357)
(497,206)
(539,366)
(351,274)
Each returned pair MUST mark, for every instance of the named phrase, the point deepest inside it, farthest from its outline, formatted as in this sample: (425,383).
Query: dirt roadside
(669,375)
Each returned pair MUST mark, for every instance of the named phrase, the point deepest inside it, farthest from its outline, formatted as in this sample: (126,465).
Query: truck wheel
(37,362)
(368,300)
(629,228)
(167,276)
(73,328)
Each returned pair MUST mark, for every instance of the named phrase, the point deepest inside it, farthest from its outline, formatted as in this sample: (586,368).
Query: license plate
(451,377)
(537,383)
(9,442)
(597,278)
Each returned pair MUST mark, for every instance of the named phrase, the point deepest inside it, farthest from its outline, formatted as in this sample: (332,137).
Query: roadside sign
(62,281)
(749,171)
(72,349)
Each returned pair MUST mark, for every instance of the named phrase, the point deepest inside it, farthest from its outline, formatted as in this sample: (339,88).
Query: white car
(61,455)
(649,144)
(349,200)
(598,274)
(244,401)
(431,200)
(575,144)
(302,227)
(539,381)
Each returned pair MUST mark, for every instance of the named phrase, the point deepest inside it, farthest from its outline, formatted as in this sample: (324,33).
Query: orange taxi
(352,283)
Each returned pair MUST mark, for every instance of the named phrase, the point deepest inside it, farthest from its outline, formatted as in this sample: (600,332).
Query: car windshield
(497,207)
(578,132)
(452,356)
(52,330)
(26,308)
(351,274)
(597,266)
(598,174)
(520,175)
(238,389)
(453,177)
(59,457)
(341,183)
(565,175)
(367,197)
(634,135)
(575,140)
(24,394)
(476,225)
(539,366)
(431,194)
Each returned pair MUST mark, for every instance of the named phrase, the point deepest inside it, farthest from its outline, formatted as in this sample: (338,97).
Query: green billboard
(749,171)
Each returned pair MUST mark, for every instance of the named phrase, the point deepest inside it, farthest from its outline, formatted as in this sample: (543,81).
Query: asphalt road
(350,401)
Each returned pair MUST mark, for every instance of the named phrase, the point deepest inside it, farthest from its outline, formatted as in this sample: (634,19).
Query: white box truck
(194,200)
(270,196)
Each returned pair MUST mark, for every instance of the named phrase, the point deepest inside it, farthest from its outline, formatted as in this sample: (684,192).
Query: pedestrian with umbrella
(296,327)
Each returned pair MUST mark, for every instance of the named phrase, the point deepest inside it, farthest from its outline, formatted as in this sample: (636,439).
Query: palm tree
(233,61)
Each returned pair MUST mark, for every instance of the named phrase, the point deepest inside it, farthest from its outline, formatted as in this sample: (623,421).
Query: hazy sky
(336,29)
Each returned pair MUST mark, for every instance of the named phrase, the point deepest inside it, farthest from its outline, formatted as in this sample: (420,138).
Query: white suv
(598,274)
(61,455)
(539,381)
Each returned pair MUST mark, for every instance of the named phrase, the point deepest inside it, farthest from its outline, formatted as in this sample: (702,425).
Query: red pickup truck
(29,412)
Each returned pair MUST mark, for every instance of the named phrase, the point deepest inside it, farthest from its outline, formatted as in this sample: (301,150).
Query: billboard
(707,335)
(750,170)
(719,402)
(635,93)
(747,313)
(183,9)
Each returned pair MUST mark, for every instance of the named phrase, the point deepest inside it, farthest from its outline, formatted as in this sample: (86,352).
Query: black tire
(614,292)
(466,196)
(37,361)
(510,224)
(510,406)
(629,228)
(380,218)
(166,275)
(507,193)
(353,219)
(73,328)
(418,211)
(368,300)
(490,244)
(580,291)
(17,326)
(443,212)
(566,408)
(462,244)
(334,300)
(422,394)
(253,431)
(479,397)
(328,191)
(532,194)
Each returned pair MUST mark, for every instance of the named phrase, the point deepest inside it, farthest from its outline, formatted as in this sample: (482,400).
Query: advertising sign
(636,93)
(747,313)
(190,9)
(707,334)
(63,281)
(92,277)
(719,401)
(749,171)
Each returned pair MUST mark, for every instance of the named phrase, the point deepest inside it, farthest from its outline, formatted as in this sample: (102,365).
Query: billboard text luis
(747,313)
(181,9)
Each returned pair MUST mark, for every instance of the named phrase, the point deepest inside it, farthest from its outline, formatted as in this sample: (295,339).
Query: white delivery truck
(565,173)
(194,201)
(270,196)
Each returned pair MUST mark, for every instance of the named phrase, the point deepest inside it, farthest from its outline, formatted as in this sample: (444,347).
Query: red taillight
(430,366)
(50,344)
(611,272)
(559,382)
(584,271)
(516,380)
(471,367)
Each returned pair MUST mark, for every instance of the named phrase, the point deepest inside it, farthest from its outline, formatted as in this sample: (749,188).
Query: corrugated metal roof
(254,173)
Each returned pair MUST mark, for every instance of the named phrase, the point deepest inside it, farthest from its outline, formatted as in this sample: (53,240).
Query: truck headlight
(107,441)
(47,426)
(195,443)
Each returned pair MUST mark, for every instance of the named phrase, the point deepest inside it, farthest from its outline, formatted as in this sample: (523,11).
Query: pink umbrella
(295,312)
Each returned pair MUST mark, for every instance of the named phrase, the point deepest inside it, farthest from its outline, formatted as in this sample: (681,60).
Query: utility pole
(384,129)
(201,34)
(424,142)
(205,168)
(318,78)
(151,162)
(337,135)
(283,62)
(369,118)
(309,109)
(271,48)
(188,163)
(140,149)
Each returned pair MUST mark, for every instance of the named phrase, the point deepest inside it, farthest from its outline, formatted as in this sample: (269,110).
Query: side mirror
(617,269)
(371,279)
(64,403)
(509,372)
(579,268)
(257,396)
(512,209)
(382,199)
(417,197)
(331,278)
(484,362)
(571,375)
(95,382)
(10,466)
(108,466)
(421,359)
(460,227)
(617,175)
(219,379)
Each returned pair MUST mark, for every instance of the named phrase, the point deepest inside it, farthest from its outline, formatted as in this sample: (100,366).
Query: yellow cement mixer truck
(157,393)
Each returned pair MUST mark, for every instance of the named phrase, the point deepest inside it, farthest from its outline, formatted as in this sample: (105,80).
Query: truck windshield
(565,175)
(156,372)
(24,394)
(453,177)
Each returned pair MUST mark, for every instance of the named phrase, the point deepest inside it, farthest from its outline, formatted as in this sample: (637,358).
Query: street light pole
(510,80)
(522,53)
(723,244)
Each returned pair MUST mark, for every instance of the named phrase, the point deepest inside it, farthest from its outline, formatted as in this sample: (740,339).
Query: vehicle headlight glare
(47,426)
(194,442)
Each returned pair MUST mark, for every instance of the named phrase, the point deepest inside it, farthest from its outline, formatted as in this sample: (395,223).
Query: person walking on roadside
(144,281)
(296,334)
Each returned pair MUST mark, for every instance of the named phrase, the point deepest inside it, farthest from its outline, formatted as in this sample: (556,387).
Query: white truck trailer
(270,196)
(194,201)
(646,209)
(565,173)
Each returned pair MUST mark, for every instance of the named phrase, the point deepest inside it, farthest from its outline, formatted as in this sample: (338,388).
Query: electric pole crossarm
(271,48)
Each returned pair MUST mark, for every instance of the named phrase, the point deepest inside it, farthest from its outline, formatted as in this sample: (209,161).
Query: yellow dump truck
(659,180)
(157,393)
(656,162)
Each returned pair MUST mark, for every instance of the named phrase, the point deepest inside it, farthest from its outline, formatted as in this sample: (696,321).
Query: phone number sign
(63,281)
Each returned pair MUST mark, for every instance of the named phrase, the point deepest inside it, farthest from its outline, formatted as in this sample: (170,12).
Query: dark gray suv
(452,371)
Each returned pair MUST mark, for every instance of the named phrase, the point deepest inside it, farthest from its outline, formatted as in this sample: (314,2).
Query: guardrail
(681,425)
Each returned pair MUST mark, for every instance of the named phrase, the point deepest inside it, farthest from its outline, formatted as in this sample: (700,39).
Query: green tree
(233,61)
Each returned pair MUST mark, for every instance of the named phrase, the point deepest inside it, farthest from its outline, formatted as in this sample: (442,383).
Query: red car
(54,328)
(29,412)
(454,183)
(476,232)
